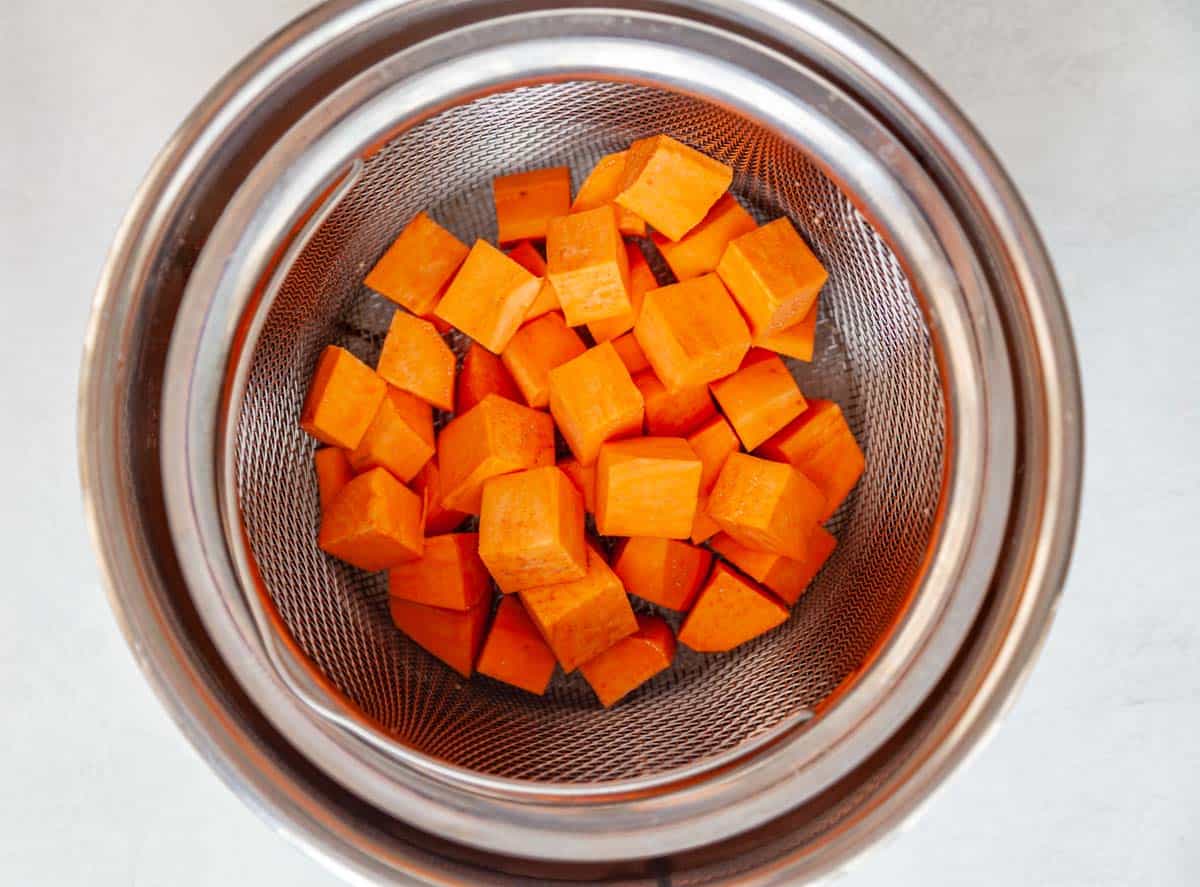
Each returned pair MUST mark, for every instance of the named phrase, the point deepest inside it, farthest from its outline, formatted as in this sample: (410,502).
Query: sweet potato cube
(527,201)
(582,617)
(527,256)
(417,268)
(601,187)
(773,275)
(631,661)
(713,443)
(453,636)
(400,437)
(647,487)
(796,341)
(536,349)
(666,572)
(730,610)
(588,265)
(631,353)
(342,399)
(703,526)
(671,185)
(641,281)
(593,399)
(821,445)
(699,251)
(489,297)
(416,359)
(692,332)
(584,479)
(531,529)
(785,577)
(333,473)
(515,651)
(673,413)
(767,506)
(438,518)
(482,373)
(760,398)
(374,523)
(448,574)
(494,437)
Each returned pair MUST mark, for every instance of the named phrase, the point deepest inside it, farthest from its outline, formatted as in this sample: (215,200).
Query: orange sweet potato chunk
(699,251)
(787,578)
(482,373)
(797,341)
(673,413)
(582,617)
(374,523)
(416,359)
(703,526)
(453,636)
(527,256)
(601,187)
(641,281)
(489,297)
(494,437)
(333,473)
(531,529)
(648,486)
(588,265)
(631,353)
(631,661)
(730,610)
(666,572)
(438,518)
(713,443)
(593,399)
(767,506)
(760,398)
(342,399)
(400,437)
(671,185)
(417,268)
(537,348)
(584,479)
(773,275)
(515,651)
(692,332)
(821,445)
(527,201)
(448,574)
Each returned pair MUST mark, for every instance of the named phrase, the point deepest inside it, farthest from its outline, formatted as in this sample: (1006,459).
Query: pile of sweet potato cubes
(686,432)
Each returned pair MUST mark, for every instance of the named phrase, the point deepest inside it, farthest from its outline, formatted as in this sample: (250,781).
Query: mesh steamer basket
(941,333)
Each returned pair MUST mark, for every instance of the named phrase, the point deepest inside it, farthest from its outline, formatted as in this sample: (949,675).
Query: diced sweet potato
(673,413)
(773,275)
(536,349)
(448,574)
(760,398)
(342,399)
(588,265)
(648,486)
(489,297)
(482,373)
(494,437)
(515,651)
(631,661)
(374,523)
(531,529)
(666,572)
(730,610)
(527,201)
(593,399)
(699,251)
(400,437)
(417,268)
(767,506)
(333,473)
(453,636)
(584,479)
(782,575)
(416,359)
(703,526)
(821,445)
(692,332)
(797,341)
(438,518)
(582,617)
(631,353)
(601,187)
(641,281)
(671,185)
(712,443)
(527,256)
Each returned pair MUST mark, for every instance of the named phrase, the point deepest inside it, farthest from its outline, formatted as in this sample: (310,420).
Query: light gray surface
(1093,779)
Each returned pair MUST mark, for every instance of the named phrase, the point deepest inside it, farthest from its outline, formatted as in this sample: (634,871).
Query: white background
(1094,777)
